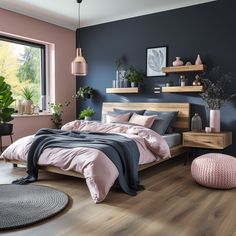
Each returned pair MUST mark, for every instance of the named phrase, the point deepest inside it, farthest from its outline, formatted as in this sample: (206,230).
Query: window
(22,63)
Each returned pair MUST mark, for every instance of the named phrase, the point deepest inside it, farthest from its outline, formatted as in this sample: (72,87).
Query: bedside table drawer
(204,140)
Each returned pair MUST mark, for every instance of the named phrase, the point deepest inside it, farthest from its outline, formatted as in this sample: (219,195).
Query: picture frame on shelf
(156,58)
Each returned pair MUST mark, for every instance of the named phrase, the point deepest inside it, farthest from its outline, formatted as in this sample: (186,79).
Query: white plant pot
(215,120)
(87,118)
(134,84)
(27,104)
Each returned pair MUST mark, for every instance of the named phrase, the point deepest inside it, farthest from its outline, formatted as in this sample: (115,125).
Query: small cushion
(110,117)
(215,170)
(146,121)
(164,121)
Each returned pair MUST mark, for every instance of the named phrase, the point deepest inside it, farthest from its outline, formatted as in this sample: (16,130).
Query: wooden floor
(171,204)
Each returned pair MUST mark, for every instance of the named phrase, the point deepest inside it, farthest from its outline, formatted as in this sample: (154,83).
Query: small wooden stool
(1,140)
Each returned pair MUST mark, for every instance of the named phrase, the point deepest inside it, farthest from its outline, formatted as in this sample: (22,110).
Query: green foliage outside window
(21,66)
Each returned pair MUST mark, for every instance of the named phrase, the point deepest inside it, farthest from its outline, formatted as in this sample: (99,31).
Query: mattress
(172,139)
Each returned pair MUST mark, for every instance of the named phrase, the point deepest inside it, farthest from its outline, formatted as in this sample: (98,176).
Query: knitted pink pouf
(215,170)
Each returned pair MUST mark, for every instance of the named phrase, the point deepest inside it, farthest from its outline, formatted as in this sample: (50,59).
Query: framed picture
(156,59)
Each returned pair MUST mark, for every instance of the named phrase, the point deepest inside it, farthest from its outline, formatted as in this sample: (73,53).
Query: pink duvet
(100,173)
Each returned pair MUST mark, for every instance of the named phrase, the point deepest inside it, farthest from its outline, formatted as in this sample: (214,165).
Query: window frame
(43,61)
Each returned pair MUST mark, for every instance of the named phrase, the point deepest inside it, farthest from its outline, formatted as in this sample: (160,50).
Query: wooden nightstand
(218,141)
(207,140)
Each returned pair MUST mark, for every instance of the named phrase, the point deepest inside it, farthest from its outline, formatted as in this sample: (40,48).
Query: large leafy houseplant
(6,111)
(214,93)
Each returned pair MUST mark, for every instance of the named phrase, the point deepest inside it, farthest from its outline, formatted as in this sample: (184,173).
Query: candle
(208,129)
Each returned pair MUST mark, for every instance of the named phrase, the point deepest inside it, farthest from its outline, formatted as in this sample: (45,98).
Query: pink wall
(61,44)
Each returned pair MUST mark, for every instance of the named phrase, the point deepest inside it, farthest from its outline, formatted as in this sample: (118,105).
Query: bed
(84,169)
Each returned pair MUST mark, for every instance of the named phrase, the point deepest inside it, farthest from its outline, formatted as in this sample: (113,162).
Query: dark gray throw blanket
(122,151)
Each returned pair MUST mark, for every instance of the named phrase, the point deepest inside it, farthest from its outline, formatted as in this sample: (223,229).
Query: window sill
(33,115)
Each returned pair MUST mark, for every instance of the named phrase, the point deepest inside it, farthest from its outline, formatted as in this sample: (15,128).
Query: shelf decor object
(198,60)
(156,60)
(177,62)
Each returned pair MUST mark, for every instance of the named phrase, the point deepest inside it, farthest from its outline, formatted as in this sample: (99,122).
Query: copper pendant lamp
(79,66)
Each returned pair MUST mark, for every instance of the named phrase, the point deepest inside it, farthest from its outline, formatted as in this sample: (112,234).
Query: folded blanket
(121,150)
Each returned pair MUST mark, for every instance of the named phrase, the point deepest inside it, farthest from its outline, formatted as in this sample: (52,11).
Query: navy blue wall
(207,29)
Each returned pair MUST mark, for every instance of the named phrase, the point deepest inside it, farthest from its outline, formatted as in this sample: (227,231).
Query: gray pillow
(164,121)
(122,111)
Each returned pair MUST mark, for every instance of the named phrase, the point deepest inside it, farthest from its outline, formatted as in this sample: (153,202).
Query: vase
(215,120)
(198,60)
(196,123)
(117,75)
(20,107)
(183,80)
(177,62)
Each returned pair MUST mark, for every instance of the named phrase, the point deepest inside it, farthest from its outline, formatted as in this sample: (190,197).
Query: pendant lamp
(79,66)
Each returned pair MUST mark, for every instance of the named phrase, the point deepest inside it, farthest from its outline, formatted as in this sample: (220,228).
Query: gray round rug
(22,205)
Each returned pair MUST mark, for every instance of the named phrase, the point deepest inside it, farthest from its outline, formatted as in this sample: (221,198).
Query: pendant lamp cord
(79,26)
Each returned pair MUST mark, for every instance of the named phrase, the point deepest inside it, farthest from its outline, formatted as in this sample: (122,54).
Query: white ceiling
(65,12)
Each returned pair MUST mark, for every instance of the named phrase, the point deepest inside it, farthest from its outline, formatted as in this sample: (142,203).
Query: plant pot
(6,128)
(126,83)
(134,84)
(28,106)
(169,84)
(215,120)
(87,118)
(87,96)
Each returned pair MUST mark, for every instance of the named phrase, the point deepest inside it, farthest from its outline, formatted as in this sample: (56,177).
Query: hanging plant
(85,93)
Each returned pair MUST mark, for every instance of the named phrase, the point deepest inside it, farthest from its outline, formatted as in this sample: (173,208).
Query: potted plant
(85,93)
(169,83)
(134,77)
(6,112)
(57,110)
(28,94)
(215,95)
(87,113)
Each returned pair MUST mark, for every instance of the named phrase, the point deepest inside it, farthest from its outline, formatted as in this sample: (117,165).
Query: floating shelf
(182,89)
(183,69)
(123,90)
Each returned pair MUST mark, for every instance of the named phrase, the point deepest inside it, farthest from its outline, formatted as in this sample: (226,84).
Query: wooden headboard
(183,119)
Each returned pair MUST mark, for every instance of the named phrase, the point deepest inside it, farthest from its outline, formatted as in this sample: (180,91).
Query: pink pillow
(117,117)
(145,121)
